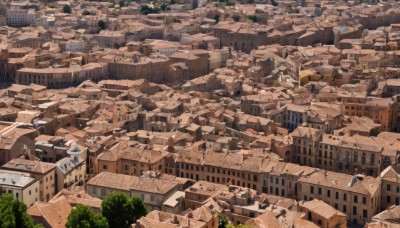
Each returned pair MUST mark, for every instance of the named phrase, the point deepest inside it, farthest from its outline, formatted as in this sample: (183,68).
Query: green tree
(253,18)
(216,18)
(164,7)
(139,209)
(121,211)
(84,217)
(222,221)
(85,12)
(67,9)
(101,24)
(13,213)
(149,10)
(236,18)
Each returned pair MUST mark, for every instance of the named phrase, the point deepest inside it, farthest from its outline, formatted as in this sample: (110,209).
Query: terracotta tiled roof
(321,208)
(54,213)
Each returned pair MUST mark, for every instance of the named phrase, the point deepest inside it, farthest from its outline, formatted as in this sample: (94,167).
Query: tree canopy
(216,18)
(164,7)
(139,209)
(67,9)
(149,10)
(223,221)
(236,18)
(85,12)
(101,24)
(84,217)
(253,18)
(13,213)
(122,211)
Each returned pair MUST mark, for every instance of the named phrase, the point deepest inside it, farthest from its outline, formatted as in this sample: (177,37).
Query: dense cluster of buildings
(272,113)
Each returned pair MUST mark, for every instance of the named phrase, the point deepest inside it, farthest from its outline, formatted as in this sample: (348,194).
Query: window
(283,182)
(337,195)
(103,192)
(104,167)
(355,199)
(365,213)
(17,195)
(363,159)
(344,208)
(151,197)
(364,200)
(312,189)
(354,210)
(344,197)
(336,206)
(319,222)
(388,199)
(355,157)
(319,191)
(388,188)
(328,193)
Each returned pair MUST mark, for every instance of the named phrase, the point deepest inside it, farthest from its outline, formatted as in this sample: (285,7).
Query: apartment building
(390,187)
(127,159)
(322,214)
(343,153)
(17,141)
(62,77)
(237,169)
(381,110)
(42,171)
(305,143)
(71,170)
(356,196)
(21,186)
(325,119)
(154,192)
(20,17)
